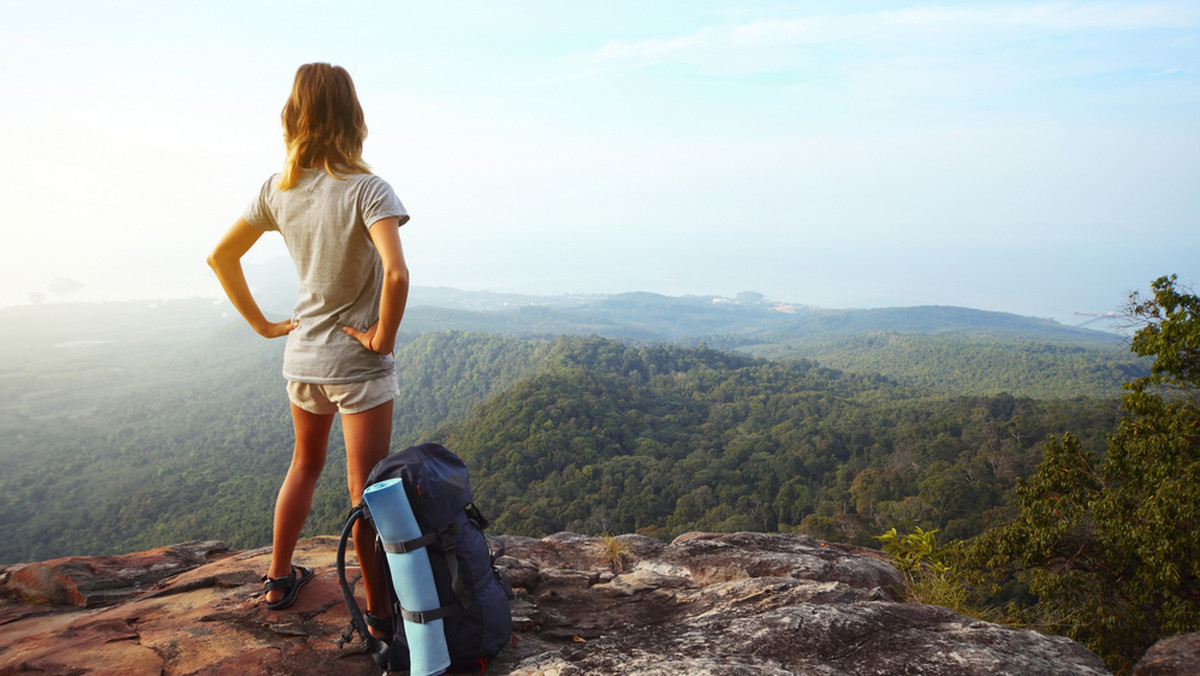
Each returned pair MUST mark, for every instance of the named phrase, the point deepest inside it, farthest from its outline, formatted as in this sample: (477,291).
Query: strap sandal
(291,582)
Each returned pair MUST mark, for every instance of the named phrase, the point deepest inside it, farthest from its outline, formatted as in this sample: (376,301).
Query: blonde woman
(340,224)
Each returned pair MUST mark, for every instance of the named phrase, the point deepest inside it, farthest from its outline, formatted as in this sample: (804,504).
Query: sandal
(290,582)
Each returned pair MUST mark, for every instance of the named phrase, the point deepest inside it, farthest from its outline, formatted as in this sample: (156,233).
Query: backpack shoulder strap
(381,651)
(449,551)
(357,621)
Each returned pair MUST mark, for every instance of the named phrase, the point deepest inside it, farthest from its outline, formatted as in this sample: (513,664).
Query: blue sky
(1029,157)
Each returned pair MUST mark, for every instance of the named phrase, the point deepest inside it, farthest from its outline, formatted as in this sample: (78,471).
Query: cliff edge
(736,603)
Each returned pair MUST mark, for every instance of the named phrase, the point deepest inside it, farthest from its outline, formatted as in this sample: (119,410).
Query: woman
(340,224)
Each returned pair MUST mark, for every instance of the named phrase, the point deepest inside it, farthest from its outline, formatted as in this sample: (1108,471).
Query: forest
(152,424)
(660,440)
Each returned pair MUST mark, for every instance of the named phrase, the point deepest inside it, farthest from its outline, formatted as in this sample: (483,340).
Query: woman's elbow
(222,259)
(396,275)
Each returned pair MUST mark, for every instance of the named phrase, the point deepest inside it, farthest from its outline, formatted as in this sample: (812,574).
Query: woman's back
(325,223)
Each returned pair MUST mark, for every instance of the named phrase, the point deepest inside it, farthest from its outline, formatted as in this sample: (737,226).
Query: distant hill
(942,319)
(651,316)
(945,349)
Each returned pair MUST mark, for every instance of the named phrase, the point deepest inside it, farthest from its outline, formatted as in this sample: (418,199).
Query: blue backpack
(473,592)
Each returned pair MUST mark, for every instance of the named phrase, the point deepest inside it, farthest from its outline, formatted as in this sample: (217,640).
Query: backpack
(473,592)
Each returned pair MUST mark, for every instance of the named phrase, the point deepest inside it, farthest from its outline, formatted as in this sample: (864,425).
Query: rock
(1175,656)
(753,603)
(742,603)
(708,558)
(209,620)
(89,581)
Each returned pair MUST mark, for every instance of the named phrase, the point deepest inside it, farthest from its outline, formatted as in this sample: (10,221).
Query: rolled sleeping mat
(412,578)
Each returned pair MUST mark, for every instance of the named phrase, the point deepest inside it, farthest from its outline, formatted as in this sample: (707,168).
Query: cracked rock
(706,604)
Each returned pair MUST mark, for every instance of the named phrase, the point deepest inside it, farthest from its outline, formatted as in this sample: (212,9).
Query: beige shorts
(346,398)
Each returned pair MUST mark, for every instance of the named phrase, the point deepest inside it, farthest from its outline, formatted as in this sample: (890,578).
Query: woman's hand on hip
(367,338)
(278,329)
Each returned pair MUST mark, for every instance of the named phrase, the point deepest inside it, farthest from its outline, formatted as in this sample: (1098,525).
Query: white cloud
(653,48)
(940,24)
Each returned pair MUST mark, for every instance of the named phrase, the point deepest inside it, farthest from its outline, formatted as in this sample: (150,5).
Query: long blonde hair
(323,124)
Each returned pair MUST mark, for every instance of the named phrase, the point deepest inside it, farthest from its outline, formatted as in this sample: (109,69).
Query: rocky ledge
(741,603)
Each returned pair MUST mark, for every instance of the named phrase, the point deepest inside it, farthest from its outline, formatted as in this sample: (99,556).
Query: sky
(1041,158)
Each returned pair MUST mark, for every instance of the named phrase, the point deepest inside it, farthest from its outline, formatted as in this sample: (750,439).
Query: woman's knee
(306,469)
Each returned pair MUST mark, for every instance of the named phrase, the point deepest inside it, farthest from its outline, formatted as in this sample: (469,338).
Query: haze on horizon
(1039,158)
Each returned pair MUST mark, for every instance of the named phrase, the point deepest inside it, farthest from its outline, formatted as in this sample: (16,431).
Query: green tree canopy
(1109,548)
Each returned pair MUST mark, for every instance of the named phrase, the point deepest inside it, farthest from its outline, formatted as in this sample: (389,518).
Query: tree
(1109,548)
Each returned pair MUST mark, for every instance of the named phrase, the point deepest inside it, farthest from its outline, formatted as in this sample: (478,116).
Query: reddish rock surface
(706,604)
(207,620)
(1176,656)
(89,581)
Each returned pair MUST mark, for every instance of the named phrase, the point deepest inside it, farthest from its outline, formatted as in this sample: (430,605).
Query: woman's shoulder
(376,198)
(271,184)
(269,188)
(370,185)
(367,179)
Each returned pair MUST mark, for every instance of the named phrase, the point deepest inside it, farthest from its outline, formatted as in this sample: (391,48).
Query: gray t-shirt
(325,223)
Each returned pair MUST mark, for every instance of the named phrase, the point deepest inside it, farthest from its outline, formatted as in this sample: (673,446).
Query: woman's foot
(285,589)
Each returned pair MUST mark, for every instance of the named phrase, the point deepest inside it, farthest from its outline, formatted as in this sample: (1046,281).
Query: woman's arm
(226,261)
(381,337)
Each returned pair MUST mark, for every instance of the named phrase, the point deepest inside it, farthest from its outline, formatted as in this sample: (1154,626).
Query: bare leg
(295,496)
(368,438)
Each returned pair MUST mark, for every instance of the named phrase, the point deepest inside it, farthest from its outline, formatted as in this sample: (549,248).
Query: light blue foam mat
(412,577)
